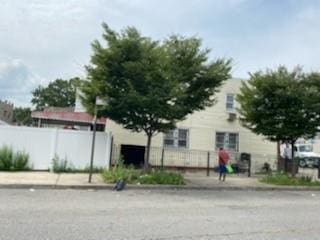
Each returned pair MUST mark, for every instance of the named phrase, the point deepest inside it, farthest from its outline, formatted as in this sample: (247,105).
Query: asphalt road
(81,214)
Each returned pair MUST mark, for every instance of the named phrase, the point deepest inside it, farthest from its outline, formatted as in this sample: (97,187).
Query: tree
(281,105)
(22,116)
(150,85)
(59,93)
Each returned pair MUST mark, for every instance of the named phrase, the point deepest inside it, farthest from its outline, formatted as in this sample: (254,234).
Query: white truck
(307,158)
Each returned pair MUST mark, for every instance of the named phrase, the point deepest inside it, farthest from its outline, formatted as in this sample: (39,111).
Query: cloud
(17,81)
(53,37)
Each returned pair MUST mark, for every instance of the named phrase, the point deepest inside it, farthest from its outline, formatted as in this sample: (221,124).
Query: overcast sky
(41,40)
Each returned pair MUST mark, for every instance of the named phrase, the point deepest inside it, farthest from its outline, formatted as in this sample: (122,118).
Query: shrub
(280,178)
(11,161)
(131,175)
(162,177)
(6,158)
(61,165)
(119,172)
(20,160)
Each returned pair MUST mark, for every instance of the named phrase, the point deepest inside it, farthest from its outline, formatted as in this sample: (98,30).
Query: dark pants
(222,171)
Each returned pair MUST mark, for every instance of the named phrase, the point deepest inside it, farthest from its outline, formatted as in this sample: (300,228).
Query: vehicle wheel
(302,163)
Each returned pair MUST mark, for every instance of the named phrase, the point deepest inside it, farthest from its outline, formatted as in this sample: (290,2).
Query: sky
(42,40)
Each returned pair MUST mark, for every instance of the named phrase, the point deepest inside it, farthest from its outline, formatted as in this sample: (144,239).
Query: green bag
(229,168)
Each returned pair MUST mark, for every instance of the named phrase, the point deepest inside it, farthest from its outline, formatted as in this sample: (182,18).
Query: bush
(6,158)
(284,179)
(11,161)
(118,172)
(20,160)
(61,165)
(131,175)
(162,177)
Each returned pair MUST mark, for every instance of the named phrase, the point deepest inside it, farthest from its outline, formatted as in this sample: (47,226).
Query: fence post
(318,168)
(249,166)
(162,158)
(208,165)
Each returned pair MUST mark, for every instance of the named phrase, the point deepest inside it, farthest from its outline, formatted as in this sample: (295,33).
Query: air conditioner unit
(232,116)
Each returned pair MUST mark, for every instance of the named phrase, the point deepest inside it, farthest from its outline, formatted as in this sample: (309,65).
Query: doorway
(133,154)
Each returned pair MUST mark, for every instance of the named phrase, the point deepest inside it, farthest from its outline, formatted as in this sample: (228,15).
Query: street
(169,214)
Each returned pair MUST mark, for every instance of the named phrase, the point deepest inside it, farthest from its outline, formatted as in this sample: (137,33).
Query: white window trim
(215,139)
(176,139)
(229,110)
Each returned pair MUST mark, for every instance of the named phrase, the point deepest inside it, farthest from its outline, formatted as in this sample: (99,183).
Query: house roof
(75,117)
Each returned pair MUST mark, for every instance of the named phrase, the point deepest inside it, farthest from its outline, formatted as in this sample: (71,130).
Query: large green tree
(150,85)
(59,93)
(281,105)
(22,116)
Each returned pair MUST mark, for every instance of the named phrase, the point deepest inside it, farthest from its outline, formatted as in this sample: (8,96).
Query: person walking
(223,160)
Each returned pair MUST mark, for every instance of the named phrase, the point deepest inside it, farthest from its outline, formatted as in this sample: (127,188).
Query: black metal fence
(198,159)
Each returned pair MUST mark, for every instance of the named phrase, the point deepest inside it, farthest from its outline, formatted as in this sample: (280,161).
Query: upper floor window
(230,102)
(178,138)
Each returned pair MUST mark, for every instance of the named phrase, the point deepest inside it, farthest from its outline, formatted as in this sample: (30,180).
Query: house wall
(203,126)
(42,144)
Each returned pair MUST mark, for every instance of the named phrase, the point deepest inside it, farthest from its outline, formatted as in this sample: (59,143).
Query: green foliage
(22,116)
(137,176)
(281,105)
(61,165)
(284,179)
(162,177)
(20,160)
(13,161)
(150,85)
(6,158)
(59,93)
(120,172)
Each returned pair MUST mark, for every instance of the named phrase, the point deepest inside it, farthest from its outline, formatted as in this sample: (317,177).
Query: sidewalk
(80,181)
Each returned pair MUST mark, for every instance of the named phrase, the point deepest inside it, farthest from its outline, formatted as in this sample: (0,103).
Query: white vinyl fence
(43,144)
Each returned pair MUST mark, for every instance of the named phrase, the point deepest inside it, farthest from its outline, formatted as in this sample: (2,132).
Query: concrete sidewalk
(80,181)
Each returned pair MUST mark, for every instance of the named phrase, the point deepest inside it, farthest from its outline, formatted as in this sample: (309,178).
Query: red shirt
(223,157)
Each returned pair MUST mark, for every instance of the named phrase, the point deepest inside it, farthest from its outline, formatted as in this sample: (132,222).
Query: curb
(159,187)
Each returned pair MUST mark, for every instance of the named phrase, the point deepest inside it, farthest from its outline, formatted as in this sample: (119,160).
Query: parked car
(306,156)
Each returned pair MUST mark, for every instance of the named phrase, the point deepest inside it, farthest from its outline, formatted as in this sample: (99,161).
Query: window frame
(226,144)
(233,109)
(176,139)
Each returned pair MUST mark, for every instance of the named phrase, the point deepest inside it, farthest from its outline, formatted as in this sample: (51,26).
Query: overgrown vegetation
(129,174)
(60,165)
(13,161)
(280,178)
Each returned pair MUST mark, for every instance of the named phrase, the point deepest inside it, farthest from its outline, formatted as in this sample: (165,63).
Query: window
(230,102)
(228,141)
(178,138)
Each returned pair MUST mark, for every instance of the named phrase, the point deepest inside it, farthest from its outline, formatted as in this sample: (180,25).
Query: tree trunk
(293,165)
(146,161)
(278,156)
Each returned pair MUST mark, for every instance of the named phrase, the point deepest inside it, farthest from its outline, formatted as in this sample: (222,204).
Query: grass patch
(137,176)
(285,179)
(13,161)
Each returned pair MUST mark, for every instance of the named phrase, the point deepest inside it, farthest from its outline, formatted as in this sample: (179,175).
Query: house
(75,118)
(6,112)
(196,139)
